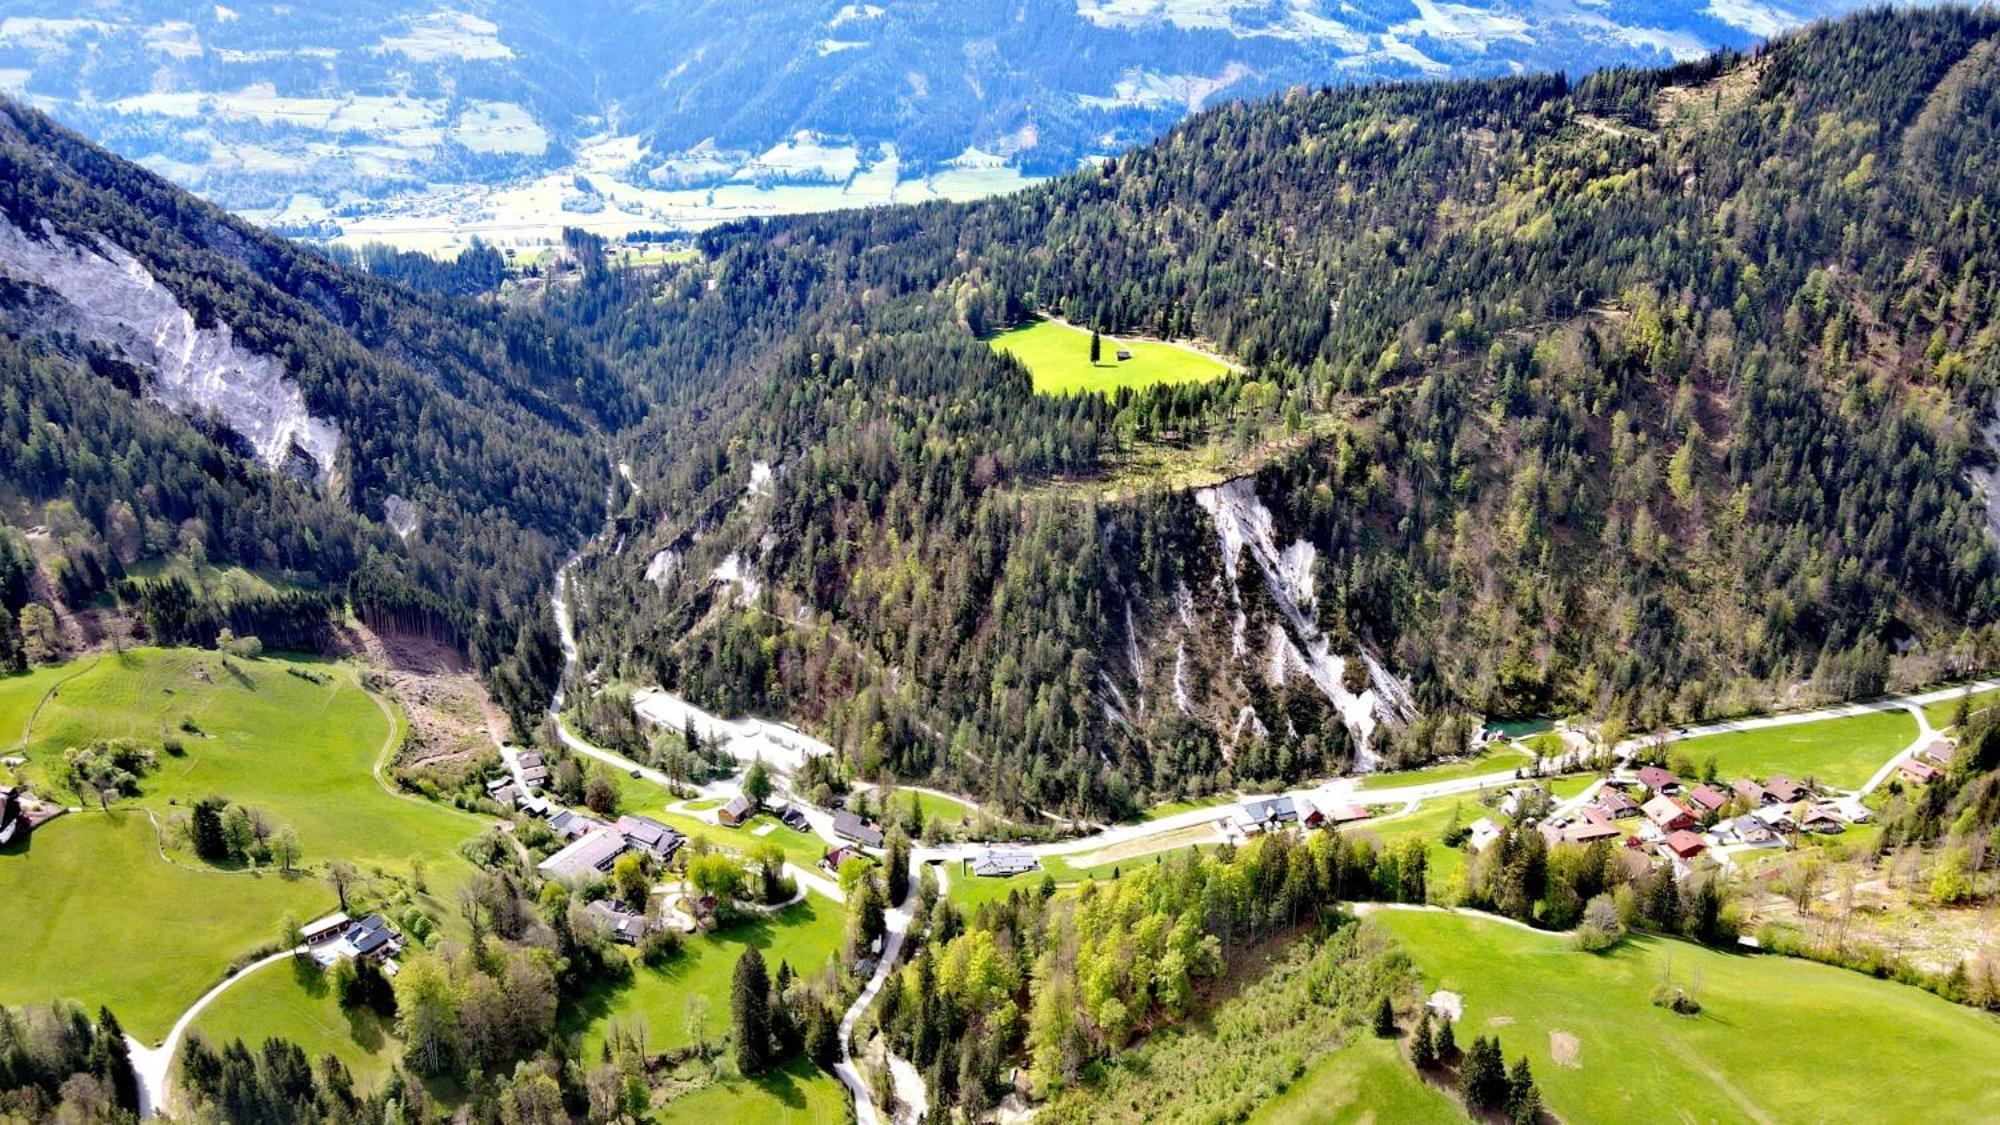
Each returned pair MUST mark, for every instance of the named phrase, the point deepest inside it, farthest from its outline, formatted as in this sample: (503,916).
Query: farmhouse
(588,855)
(1823,820)
(1657,780)
(793,817)
(620,926)
(1310,815)
(1919,771)
(847,826)
(371,939)
(1670,815)
(1267,815)
(1939,752)
(1851,810)
(324,929)
(739,809)
(534,806)
(999,864)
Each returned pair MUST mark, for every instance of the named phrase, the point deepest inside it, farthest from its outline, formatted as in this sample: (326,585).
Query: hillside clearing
(1842,752)
(1057,357)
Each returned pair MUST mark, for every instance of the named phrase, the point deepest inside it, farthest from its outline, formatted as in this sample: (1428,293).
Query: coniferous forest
(1646,396)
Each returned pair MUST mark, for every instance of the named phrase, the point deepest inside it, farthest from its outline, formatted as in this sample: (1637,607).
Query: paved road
(897,919)
(153,1065)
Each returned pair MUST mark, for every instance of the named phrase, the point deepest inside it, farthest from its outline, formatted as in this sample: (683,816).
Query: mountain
(180,383)
(421,124)
(1648,397)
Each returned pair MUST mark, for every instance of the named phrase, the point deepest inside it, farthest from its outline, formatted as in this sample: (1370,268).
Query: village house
(739,809)
(1481,834)
(1616,803)
(1668,814)
(1347,814)
(1939,752)
(1752,793)
(1785,790)
(569,825)
(792,817)
(1685,845)
(1310,815)
(1823,820)
(1657,780)
(621,926)
(534,806)
(1918,771)
(1592,826)
(848,826)
(643,833)
(1851,810)
(1748,831)
(1777,817)
(997,864)
(1707,799)
(834,857)
(534,771)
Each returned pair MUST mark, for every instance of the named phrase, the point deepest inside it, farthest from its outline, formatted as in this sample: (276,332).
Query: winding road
(153,1065)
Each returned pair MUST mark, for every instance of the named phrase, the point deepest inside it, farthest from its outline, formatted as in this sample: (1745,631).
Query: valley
(1417,600)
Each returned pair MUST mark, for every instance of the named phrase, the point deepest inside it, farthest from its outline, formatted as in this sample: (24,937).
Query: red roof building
(1669,814)
(1685,845)
(1657,780)
(1708,798)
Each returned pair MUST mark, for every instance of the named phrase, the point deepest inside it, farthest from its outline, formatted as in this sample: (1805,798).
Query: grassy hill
(117,910)
(1776,1039)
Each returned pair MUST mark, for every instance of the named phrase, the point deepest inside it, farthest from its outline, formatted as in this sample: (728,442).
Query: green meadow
(1057,357)
(1776,1039)
(1494,757)
(805,935)
(95,915)
(1842,752)
(1368,1080)
(297,1001)
(112,920)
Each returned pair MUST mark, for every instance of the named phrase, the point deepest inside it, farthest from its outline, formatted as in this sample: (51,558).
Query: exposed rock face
(112,300)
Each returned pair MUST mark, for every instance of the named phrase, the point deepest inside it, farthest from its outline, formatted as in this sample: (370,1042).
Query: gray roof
(592,853)
(849,826)
(1274,808)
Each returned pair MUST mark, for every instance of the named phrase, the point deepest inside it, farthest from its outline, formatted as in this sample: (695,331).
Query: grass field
(1366,1081)
(805,935)
(1940,713)
(1492,758)
(934,806)
(1447,865)
(1841,752)
(1170,808)
(1776,1040)
(94,914)
(19,696)
(302,751)
(797,1093)
(1058,359)
(107,920)
(801,848)
(297,1002)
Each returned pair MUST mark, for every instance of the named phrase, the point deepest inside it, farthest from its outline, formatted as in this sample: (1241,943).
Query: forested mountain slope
(194,386)
(1651,396)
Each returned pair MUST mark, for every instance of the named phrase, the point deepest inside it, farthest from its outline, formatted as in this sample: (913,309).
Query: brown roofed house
(1786,790)
(1616,803)
(1708,798)
(1919,771)
(1752,792)
(739,809)
(1657,780)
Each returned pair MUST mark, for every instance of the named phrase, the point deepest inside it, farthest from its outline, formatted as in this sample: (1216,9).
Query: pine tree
(1423,1050)
(1385,1018)
(1482,1081)
(1521,1092)
(1447,1043)
(1096,347)
(750,1014)
(117,1061)
(896,865)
